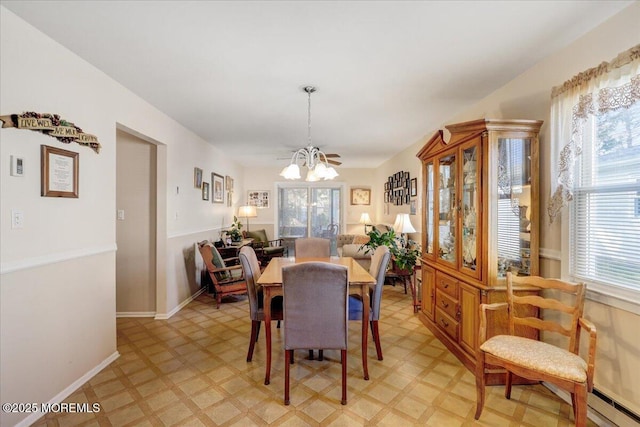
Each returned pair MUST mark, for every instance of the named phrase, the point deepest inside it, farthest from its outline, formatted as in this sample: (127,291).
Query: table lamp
(247,212)
(403,225)
(364,219)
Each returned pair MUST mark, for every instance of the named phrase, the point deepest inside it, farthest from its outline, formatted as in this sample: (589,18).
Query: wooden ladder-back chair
(537,360)
(226,280)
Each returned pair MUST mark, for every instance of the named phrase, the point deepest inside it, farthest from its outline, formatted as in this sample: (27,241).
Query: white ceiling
(387,73)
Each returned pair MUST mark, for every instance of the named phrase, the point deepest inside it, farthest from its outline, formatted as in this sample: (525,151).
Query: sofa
(350,245)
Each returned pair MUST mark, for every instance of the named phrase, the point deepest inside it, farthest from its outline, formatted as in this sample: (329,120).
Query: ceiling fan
(330,157)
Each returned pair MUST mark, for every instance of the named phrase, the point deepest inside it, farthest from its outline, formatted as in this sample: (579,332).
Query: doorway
(136,226)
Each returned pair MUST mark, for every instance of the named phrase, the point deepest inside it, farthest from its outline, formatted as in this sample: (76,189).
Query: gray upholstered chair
(315,313)
(379,262)
(251,268)
(312,247)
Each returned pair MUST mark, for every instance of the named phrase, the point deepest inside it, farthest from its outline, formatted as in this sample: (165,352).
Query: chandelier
(312,157)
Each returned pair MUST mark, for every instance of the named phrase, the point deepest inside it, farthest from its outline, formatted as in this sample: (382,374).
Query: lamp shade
(365,219)
(247,212)
(403,224)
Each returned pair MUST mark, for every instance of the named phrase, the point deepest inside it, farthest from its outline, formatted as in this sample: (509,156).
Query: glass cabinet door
(429,211)
(470,208)
(514,201)
(447,213)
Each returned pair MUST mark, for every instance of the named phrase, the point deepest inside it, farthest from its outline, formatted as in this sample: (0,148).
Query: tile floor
(191,370)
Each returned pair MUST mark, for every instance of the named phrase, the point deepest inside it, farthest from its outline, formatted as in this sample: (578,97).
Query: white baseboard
(598,411)
(69,390)
(135,314)
(178,308)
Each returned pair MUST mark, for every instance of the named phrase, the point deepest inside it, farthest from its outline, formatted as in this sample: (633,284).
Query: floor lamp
(247,212)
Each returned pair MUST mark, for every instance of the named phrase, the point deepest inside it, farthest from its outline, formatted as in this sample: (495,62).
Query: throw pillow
(219,263)
(360,240)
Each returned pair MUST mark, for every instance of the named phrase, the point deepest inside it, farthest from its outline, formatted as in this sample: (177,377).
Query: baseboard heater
(617,406)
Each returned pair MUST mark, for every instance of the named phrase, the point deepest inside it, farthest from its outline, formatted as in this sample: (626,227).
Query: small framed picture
(360,196)
(414,187)
(228,183)
(258,198)
(197,177)
(59,172)
(412,207)
(217,189)
(205,190)
(406,175)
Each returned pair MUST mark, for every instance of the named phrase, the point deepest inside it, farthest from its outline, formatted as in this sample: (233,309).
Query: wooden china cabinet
(480,204)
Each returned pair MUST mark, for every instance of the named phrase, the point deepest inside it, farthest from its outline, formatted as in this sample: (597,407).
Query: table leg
(365,328)
(267,329)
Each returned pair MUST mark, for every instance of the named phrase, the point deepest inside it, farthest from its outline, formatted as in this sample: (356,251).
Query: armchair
(225,280)
(265,249)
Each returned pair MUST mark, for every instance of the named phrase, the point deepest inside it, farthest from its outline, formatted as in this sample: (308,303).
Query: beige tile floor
(191,370)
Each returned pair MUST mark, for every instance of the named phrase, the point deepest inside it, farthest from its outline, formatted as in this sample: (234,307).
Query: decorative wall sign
(59,172)
(52,125)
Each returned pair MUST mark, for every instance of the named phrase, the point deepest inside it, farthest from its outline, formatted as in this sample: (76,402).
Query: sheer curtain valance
(609,86)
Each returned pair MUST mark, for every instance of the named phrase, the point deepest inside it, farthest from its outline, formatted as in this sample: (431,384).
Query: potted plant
(235,231)
(404,254)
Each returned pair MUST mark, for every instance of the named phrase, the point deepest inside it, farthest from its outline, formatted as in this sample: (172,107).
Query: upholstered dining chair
(251,269)
(226,280)
(537,360)
(315,312)
(378,268)
(312,247)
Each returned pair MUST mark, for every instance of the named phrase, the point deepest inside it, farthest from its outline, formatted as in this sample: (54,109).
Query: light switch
(17,218)
(120,214)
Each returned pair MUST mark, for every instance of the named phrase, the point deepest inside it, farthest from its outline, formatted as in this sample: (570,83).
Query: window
(604,220)
(309,211)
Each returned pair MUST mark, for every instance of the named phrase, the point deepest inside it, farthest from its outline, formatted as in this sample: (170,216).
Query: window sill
(613,296)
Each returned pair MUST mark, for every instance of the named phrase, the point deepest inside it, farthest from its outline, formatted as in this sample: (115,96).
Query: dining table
(271,282)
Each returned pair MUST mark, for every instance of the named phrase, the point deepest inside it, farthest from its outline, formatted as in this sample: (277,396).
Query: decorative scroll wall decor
(52,125)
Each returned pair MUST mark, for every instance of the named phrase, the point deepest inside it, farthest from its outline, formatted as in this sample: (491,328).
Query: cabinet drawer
(447,284)
(446,303)
(447,324)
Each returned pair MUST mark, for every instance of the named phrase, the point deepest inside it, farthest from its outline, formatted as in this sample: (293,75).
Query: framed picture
(412,207)
(406,176)
(217,188)
(59,172)
(360,196)
(228,183)
(258,198)
(197,177)
(205,190)
(414,187)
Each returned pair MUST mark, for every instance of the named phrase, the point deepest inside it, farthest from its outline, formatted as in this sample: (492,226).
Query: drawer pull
(444,323)
(446,285)
(445,304)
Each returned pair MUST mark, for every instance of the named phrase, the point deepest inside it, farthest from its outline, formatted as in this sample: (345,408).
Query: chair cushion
(537,355)
(219,263)
(258,236)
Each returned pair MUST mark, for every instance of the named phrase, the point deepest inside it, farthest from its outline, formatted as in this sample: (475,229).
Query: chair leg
(480,383)
(278,325)
(507,384)
(218,299)
(343,357)
(376,338)
(255,327)
(287,355)
(258,331)
(320,355)
(580,405)
(310,354)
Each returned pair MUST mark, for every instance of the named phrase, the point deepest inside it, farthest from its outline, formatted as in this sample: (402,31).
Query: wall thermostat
(17,166)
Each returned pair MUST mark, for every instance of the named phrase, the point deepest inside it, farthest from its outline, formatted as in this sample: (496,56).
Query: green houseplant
(405,253)
(235,231)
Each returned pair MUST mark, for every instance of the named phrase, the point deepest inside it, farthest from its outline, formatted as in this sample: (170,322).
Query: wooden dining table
(271,282)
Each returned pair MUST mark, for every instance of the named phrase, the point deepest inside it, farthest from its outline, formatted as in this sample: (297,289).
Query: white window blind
(605,222)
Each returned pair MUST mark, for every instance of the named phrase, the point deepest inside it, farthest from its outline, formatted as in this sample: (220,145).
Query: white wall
(57,291)
(529,97)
